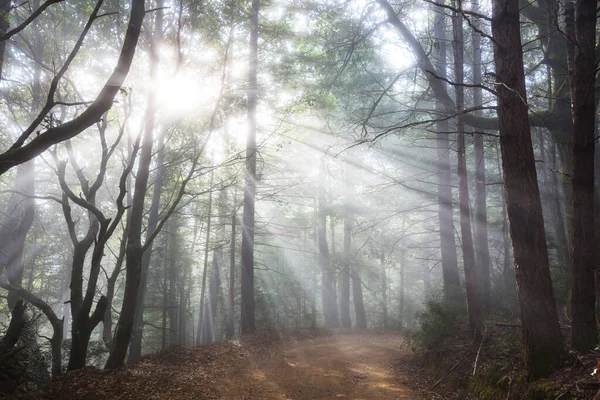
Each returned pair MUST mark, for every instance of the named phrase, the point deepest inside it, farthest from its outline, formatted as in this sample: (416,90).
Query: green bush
(435,324)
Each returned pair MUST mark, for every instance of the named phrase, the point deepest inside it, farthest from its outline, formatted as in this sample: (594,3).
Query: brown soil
(297,366)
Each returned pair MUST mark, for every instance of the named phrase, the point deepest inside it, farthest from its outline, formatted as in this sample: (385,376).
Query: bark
(473,300)
(345,273)
(544,347)
(561,232)
(173,266)
(248,324)
(482,251)
(205,269)
(450,275)
(99,230)
(327,283)
(135,351)
(357,294)
(57,324)
(18,321)
(580,21)
(133,255)
(208,326)
(231,312)
(5,7)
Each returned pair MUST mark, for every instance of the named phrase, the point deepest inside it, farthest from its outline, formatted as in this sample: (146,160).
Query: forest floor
(296,365)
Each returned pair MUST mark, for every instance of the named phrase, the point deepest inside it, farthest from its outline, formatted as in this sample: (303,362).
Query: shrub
(435,324)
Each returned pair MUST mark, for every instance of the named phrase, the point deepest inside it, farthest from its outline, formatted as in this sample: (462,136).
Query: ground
(295,366)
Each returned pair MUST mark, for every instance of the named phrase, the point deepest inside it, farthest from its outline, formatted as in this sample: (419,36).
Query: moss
(486,390)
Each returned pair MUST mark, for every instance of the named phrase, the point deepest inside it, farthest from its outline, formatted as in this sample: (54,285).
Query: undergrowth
(457,367)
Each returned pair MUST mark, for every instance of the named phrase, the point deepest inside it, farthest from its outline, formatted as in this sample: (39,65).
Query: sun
(185,94)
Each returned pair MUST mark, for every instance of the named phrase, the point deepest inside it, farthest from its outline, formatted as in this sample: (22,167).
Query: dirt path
(268,366)
(339,367)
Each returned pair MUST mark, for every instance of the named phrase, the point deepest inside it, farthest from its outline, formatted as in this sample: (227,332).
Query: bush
(435,324)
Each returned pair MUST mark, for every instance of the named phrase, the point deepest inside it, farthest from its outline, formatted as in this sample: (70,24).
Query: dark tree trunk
(248,324)
(544,347)
(15,327)
(135,350)
(133,254)
(5,6)
(580,22)
(450,276)
(561,231)
(473,300)
(107,330)
(482,251)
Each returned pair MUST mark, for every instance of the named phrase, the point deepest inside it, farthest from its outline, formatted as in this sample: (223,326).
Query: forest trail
(262,367)
(338,367)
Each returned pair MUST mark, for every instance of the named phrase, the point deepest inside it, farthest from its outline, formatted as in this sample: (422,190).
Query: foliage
(435,324)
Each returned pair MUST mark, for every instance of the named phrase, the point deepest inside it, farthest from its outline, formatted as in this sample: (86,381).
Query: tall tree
(135,350)
(473,301)
(544,347)
(451,278)
(134,251)
(482,250)
(346,322)
(580,26)
(248,324)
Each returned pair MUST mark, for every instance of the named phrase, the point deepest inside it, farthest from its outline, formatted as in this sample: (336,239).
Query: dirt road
(296,366)
(339,367)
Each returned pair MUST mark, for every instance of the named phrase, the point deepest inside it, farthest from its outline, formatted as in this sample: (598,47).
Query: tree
(134,250)
(544,349)
(482,250)
(580,21)
(473,300)
(248,324)
(21,152)
(451,278)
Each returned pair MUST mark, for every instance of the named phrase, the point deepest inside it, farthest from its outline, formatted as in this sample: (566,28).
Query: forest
(307,199)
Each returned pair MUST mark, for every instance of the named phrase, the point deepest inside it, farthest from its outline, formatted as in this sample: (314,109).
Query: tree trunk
(135,350)
(5,7)
(231,311)
(581,32)
(133,257)
(482,251)
(473,300)
(544,347)
(205,269)
(248,324)
(450,276)
(173,265)
(402,284)
(345,273)
(384,309)
(327,284)
(208,325)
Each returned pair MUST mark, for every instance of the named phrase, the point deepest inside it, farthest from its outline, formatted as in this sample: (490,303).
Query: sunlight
(184,93)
